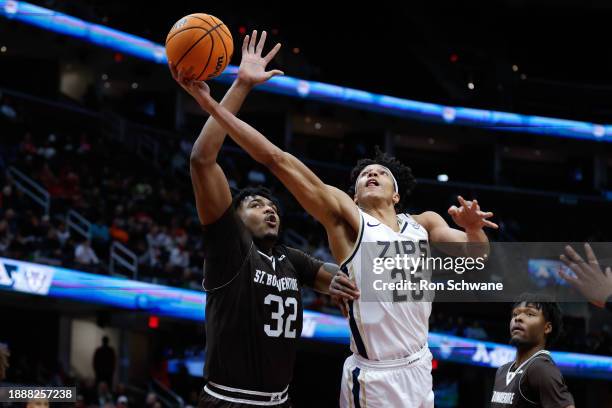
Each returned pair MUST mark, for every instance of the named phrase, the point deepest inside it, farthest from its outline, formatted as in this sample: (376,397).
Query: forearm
(209,142)
(247,137)
(477,243)
(324,277)
(476,236)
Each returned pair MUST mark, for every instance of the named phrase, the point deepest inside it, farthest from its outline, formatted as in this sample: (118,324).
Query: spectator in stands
(80,401)
(7,109)
(179,257)
(62,234)
(85,255)
(475,331)
(100,232)
(122,402)
(6,237)
(104,395)
(104,363)
(322,253)
(150,400)
(84,145)
(38,403)
(118,230)
(27,146)
(4,360)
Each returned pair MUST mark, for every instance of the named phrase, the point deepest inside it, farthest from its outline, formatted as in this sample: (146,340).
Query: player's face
(374,185)
(260,216)
(528,325)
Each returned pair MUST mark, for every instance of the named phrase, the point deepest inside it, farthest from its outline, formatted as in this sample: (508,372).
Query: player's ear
(396,198)
(547,328)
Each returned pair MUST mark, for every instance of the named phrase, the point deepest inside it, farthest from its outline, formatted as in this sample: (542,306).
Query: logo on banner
(28,278)
(309,327)
(498,356)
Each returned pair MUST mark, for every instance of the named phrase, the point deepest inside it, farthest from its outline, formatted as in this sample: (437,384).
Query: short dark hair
(255,191)
(550,310)
(401,172)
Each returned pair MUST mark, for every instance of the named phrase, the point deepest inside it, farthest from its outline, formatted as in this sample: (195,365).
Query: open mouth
(271,220)
(371,182)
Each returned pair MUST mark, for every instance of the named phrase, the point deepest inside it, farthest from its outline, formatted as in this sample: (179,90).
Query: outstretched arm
(327,204)
(469,217)
(210,185)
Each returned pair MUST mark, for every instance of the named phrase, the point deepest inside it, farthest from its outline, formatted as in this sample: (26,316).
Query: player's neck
(264,245)
(524,353)
(386,215)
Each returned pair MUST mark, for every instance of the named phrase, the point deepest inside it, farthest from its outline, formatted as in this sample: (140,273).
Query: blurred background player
(532,379)
(391,364)
(253,307)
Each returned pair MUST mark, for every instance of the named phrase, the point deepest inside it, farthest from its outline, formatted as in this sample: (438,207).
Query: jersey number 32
(280,325)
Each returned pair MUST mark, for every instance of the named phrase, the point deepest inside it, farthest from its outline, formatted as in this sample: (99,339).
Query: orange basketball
(200,41)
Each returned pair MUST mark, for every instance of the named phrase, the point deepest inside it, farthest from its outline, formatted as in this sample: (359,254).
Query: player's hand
(341,290)
(252,69)
(590,280)
(469,216)
(199,90)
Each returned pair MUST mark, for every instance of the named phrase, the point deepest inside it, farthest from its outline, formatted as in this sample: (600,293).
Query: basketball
(202,42)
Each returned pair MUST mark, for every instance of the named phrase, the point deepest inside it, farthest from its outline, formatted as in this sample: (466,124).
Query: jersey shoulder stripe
(343,265)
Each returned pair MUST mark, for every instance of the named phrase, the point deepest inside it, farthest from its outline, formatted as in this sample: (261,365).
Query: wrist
(473,230)
(206,102)
(242,82)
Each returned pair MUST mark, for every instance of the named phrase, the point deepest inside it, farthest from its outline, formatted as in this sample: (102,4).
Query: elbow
(273,159)
(200,158)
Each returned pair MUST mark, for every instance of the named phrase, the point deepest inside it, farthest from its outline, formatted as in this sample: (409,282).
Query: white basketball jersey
(383,329)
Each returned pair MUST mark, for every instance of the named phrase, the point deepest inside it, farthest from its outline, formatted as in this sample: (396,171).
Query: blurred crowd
(149,208)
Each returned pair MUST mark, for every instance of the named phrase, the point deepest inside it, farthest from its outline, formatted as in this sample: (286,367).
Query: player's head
(258,209)
(38,403)
(536,320)
(381,181)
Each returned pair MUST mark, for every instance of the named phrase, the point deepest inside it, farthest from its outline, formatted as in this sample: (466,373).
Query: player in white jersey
(391,365)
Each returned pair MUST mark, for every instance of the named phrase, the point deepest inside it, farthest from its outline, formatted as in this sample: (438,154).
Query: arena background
(95,142)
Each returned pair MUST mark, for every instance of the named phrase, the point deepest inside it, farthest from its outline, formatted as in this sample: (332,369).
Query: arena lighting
(317,91)
(159,300)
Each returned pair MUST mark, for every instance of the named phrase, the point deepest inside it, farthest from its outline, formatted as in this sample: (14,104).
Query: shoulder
(292,253)
(502,370)
(542,365)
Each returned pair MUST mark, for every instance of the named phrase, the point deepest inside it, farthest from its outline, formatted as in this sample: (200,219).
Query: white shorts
(402,383)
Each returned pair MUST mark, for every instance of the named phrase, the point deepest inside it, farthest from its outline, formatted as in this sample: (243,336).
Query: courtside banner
(35,279)
(56,282)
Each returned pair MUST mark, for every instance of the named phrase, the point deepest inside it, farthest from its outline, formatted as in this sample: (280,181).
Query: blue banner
(42,280)
(294,87)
